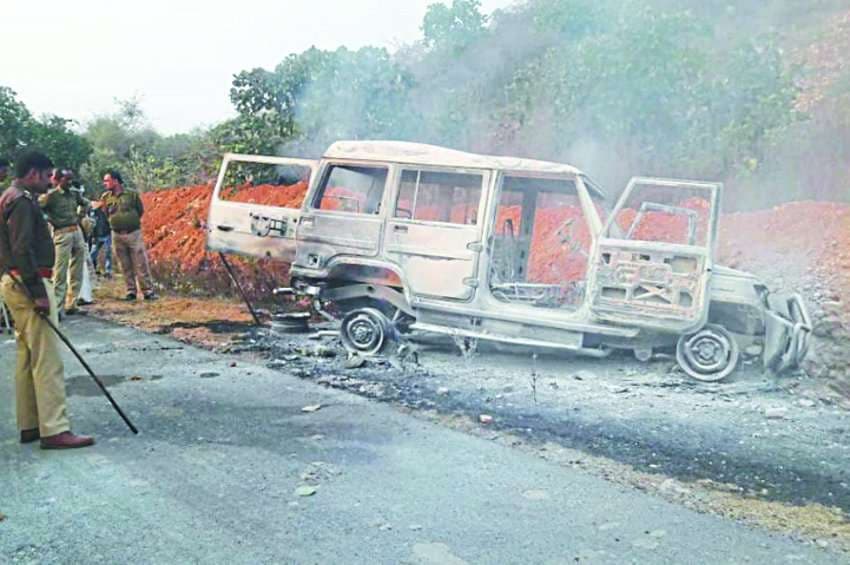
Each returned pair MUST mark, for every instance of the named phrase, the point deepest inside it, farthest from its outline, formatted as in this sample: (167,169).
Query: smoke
(618,89)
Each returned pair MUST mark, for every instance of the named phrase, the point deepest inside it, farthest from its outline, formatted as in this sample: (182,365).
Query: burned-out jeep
(397,238)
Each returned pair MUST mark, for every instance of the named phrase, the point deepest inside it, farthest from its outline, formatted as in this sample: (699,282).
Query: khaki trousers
(130,250)
(39,373)
(70,252)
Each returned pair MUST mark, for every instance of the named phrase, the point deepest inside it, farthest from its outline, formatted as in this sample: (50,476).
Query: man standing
(61,205)
(26,261)
(101,239)
(124,210)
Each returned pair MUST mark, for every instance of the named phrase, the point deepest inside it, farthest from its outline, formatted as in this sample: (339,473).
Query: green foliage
(617,87)
(650,85)
(570,18)
(453,29)
(50,134)
(15,123)
(53,135)
(124,140)
(317,97)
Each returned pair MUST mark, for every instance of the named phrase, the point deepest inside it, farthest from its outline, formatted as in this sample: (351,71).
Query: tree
(124,140)
(15,123)
(316,97)
(454,28)
(50,134)
(54,136)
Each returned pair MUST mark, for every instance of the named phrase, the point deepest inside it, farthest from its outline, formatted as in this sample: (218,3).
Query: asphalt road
(754,431)
(215,475)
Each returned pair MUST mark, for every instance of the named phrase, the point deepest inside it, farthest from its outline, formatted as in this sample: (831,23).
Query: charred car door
(343,219)
(435,230)
(651,266)
(256,205)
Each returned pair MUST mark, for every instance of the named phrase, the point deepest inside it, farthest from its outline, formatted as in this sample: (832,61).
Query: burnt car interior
(540,243)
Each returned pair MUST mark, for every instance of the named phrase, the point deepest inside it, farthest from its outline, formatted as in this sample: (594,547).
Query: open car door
(650,267)
(256,205)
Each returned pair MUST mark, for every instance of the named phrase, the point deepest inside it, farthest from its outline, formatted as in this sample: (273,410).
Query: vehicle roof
(423,154)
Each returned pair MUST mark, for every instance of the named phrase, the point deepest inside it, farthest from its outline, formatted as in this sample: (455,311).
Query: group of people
(82,228)
(44,221)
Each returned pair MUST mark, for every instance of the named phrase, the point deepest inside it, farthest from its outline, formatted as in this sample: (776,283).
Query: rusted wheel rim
(710,354)
(364,331)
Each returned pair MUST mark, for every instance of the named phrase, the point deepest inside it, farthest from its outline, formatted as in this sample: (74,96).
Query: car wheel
(366,331)
(708,355)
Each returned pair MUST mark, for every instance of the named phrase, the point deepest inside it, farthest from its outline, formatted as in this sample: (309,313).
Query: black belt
(125,232)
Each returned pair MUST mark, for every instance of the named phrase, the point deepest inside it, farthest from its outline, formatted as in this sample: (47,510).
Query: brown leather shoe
(29,436)
(66,440)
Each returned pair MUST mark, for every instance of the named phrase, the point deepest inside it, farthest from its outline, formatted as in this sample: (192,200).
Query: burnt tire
(709,355)
(366,332)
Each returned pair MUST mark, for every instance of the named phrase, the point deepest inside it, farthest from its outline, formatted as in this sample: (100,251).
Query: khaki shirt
(61,206)
(124,210)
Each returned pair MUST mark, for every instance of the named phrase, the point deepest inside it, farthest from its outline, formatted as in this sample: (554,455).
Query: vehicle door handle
(400,229)
(221,227)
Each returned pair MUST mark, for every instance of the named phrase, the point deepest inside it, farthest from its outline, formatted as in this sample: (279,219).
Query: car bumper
(788,330)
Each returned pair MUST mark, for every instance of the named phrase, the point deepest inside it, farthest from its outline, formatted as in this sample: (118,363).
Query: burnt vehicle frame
(403,237)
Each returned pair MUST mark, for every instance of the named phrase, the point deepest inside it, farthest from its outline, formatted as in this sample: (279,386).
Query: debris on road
(485,419)
(535,494)
(312,408)
(775,413)
(355,361)
(306,490)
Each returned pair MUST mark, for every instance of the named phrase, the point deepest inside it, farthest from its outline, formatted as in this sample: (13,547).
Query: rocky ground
(802,247)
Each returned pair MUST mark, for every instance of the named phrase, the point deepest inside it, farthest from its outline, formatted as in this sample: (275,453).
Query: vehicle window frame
(708,247)
(494,211)
(484,174)
(318,194)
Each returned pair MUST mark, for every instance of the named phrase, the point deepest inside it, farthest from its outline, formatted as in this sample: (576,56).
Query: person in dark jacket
(101,238)
(26,263)
(4,168)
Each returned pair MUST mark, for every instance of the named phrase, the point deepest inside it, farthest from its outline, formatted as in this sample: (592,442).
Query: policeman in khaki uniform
(124,209)
(61,204)
(26,263)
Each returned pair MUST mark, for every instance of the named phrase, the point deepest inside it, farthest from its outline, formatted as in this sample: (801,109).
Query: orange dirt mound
(285,196)
(174,228)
